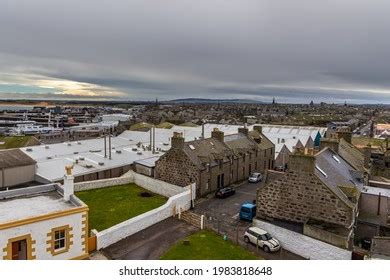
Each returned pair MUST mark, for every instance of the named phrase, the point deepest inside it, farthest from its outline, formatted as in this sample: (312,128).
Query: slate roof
(240,143)
(265,143)
(351,154)
(207,150)
(14,158)
(338,173)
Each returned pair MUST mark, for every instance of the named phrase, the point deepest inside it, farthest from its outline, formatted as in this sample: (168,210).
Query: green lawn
(11,142)
(113,205)
(206,245)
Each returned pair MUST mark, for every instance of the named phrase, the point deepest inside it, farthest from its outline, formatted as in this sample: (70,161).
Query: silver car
(255,178)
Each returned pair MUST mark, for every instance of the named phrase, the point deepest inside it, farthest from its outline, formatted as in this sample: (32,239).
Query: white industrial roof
(87,156)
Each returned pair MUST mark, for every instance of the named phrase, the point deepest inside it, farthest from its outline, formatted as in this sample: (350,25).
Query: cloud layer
(138,50)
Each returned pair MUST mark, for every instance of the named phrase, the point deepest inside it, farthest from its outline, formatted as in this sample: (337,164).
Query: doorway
(19,250)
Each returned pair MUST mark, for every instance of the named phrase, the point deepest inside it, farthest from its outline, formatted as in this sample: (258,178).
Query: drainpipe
(202,130)
(154,139)
(379,204)
(105,145)
(109,144)
(150,138)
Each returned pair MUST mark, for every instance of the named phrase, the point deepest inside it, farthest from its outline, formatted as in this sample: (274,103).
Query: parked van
(247,211)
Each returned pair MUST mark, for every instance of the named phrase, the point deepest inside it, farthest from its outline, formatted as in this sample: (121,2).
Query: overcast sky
(296,51)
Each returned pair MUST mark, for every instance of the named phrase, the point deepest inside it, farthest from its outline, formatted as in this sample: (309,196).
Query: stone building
(319,192)
(215,162)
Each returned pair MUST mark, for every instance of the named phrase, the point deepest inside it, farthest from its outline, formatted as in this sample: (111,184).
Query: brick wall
(298,196)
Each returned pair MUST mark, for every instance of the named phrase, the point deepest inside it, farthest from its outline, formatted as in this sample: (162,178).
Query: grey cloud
(183,48)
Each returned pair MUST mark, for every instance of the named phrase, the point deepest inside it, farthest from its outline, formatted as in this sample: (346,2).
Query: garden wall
(150,184)
(173,206)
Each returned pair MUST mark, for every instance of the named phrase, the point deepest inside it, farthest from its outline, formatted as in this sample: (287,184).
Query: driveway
(223,217)
(151,243)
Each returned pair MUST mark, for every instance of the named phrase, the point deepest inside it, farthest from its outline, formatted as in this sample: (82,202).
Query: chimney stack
(177,141)
(300,162)
(344,133)
(244,130)
(367,155)
(68,183)
(217,134)
(258,128)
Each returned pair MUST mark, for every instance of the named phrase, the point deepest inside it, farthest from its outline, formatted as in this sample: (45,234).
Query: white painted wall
(39,231)
(303,245)
(120,231)
(148,183)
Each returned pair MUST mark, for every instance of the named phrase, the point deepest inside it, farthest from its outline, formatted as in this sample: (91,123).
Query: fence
(193,219)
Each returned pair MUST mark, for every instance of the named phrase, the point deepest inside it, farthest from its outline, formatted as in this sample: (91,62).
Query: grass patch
(11,142)
(113,205)
(189,124)
(142,126)
(206,245)
(166,125)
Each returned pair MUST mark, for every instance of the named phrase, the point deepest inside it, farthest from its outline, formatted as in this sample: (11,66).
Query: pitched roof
(336,173)
(14,158)
(240,143)
(265,143)
(351,154)
(208,150)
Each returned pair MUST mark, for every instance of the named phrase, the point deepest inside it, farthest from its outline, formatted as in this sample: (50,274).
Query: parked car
(262,239)
(247,211)
(255,178)
(225,192)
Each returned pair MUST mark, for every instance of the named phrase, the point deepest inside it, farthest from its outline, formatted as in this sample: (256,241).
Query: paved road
(151,243)
(223,216)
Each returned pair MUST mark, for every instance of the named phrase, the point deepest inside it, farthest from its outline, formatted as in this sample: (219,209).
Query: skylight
(191,147)
(336,159)
(321,171)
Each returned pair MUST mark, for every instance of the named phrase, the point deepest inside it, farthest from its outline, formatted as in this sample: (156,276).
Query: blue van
(247,211)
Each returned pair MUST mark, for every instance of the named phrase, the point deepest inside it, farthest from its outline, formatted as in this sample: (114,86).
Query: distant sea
(16,107)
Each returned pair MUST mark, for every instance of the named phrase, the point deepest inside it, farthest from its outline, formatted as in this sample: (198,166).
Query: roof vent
(47,147)
(69,144)
(29,149)
(118,151)
(49,157)
(78,143)
(89,166)
(166,144)
(134,149)
(75,153)
(139,153)
(81,158)
(101,163)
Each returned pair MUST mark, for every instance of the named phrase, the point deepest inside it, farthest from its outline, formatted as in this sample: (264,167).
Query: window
(59,239)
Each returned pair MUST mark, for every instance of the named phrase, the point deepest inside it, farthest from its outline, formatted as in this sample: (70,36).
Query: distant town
(194,179)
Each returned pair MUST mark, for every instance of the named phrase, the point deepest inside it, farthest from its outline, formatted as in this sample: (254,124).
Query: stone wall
(174,167)
(299,196)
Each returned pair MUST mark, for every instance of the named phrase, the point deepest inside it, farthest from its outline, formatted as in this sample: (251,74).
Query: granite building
(215,162)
